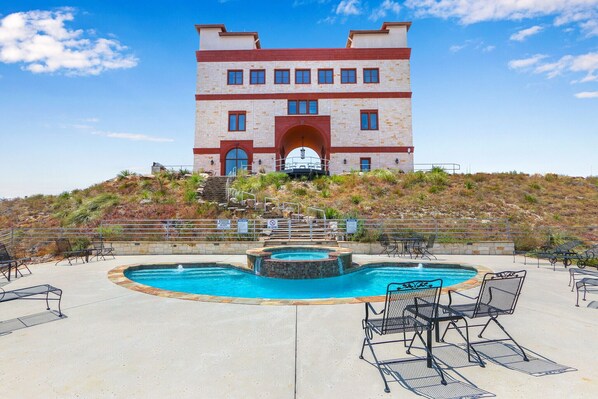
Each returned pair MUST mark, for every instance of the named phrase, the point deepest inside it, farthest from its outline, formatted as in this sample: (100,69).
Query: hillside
(524,200)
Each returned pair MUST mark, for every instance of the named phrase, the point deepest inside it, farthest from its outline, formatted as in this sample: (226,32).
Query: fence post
(508,230)
(310,232)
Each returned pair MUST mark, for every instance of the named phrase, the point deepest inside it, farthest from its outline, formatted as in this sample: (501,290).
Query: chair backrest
(567,246)
(499,293)
(384,240)
(431,240)
(64,245)
(591,252)
(403,298)
(4,255)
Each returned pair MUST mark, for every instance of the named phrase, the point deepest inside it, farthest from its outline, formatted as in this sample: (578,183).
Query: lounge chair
(33,293)
(404,305)
(586,284)
(388,247)
(422,248)
(563,252)
(584,258)
(498,296)
(7,262)
(66,251)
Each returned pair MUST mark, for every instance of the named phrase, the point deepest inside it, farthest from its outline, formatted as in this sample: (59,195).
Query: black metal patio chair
(498,296)
(388,247)
(422,248)
(402,313)
(101,250)
(7,262)
(578,274)
(586,284)
(66,251)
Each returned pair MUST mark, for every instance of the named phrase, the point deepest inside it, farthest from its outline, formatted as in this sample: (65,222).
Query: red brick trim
(333,150)
(227,145)
(302,96)
(320,54)
(353,150)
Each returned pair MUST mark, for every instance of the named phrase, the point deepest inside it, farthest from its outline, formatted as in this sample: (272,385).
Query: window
(325,76)
(303,107)
(235,77)
(302,76)
(236,121)
(371,75)
(282,76)
(257,77)
(348,76)
(369,120)
(365,164)
(236,159)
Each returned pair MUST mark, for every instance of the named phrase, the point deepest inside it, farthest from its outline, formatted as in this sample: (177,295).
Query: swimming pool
(227,281)
(303,255)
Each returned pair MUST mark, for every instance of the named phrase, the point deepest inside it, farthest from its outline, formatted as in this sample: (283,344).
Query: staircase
(215,189)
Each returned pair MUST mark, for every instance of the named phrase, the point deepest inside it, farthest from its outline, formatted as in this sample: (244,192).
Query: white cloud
(476,44)
(457,47)
(383,9)
(41,41)
(583,12)
(525,33)
(526,62)
(133,137)
(585,63)
(488,49)
(587,94)
(348,7)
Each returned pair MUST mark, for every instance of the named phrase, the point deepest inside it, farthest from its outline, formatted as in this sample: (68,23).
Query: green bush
(414,178)
(469,185)
(332,213)
(356,199)
(90,209)
(530,199)
(124,173)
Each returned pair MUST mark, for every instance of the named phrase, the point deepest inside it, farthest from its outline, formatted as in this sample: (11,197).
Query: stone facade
(334,131)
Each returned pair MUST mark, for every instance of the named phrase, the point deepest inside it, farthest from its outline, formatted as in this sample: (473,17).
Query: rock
(145,201)
(250,203)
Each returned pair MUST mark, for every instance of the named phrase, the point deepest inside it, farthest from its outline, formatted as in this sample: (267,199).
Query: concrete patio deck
(115,342)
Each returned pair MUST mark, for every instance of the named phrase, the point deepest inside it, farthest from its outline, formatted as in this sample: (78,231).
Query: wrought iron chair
(7,262)
(585,258)
(562,252)
(388,247)
(587,284)
(422,248)
(66,251)
(498,296)
(405,305)
(574,272)
(102,250)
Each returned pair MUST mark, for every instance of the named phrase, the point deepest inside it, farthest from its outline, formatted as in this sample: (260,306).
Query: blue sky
(90,88)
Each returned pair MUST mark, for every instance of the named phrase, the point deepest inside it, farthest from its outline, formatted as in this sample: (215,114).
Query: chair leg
(369,343)
(465,337)
(511,338)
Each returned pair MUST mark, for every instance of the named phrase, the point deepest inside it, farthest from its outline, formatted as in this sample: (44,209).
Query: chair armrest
(459,293)
(368,308)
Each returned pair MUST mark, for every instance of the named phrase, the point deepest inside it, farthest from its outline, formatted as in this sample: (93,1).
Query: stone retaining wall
(240,247)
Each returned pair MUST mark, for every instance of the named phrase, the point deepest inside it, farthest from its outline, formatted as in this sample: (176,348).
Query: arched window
(236,159)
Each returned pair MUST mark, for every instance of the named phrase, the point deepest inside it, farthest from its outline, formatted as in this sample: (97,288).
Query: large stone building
(335,109)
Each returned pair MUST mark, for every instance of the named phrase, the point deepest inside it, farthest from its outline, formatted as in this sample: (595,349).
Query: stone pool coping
(117,276)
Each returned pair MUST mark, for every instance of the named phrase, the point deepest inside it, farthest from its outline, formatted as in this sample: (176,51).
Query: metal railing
(29,241)
(447,167)
(290,163)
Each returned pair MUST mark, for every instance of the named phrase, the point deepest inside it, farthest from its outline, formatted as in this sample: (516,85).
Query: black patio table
(406,243)
(426,312)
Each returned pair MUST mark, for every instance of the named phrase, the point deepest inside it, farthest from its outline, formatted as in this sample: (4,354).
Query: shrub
(530,199)
(189,196)
(91,209)
(300,192)
(110,232)
(535,186)
(124,173)
(325,193)
(332,213)
(80,243)
(384,174)
(469,185)
(356,199)
(414,178)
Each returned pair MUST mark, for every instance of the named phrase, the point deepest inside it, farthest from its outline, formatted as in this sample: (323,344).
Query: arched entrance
(302,147)
(236,159)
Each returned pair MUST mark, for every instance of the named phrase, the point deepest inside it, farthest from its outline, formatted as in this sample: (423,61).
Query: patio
(114,342)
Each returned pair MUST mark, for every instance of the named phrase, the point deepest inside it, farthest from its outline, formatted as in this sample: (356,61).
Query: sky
(91,88)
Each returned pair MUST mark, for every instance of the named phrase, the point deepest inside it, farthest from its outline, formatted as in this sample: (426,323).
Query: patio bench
(33,293)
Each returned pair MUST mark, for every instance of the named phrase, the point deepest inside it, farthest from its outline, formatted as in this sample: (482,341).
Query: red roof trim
(302,96)
(320,54)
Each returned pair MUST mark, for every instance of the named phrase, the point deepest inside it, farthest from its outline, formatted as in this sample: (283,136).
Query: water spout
(420,266)
(340,266)
(257,265)
(180,268)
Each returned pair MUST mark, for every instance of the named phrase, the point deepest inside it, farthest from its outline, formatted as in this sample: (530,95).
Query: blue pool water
(227,281)
(303,255)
